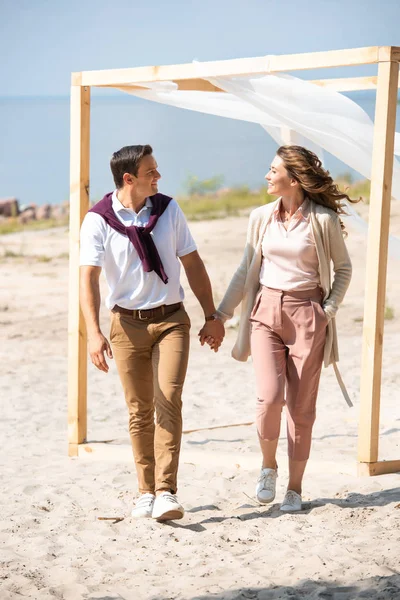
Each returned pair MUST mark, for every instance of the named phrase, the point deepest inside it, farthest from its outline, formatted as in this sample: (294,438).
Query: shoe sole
(261,501)
(171,515)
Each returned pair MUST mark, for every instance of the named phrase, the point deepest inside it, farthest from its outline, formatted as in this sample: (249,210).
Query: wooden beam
(342,84)
(383,467)
(389,54)
(348,84)
(122,452)
(197,85)
(118,77)
(233,67)
(200,85)
(323,60)
(79,204)
(375,287)
(76,78)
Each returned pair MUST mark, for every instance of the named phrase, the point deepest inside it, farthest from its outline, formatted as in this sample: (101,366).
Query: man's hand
(90,304)
(212,333)
(98,345)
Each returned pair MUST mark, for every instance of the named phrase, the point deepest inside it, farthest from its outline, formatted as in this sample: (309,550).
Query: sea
(34,145)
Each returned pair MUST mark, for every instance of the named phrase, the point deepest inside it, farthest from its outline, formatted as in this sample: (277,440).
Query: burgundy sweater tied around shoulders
(139,236)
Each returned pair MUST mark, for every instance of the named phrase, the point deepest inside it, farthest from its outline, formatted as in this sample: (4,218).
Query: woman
(289,305)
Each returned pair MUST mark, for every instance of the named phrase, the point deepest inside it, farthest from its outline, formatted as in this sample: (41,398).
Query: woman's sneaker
(291,502)
(266,486)
(144,506)
(167,508)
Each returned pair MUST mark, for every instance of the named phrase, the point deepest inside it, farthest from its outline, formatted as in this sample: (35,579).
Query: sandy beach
(66,532)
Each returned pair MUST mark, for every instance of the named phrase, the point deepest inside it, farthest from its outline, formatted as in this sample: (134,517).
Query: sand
(54,545)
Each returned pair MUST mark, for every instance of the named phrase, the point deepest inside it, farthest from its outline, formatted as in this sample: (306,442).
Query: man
(137,235)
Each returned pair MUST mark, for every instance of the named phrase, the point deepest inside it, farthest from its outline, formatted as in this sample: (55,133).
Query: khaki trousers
(287,348)
(151,358)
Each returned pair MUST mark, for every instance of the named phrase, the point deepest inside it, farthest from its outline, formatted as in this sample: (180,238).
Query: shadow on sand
(353,501)
(376,588)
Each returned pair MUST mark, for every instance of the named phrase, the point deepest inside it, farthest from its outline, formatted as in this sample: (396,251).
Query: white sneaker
(166,507)
(143,507)
(291,502)
(266,485)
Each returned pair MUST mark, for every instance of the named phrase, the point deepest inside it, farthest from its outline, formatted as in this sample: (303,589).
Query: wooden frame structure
(192,77)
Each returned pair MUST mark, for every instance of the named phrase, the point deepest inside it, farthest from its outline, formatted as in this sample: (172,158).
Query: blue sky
(42,41)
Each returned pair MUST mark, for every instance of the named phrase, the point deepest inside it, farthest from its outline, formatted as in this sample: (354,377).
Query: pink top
(290,259)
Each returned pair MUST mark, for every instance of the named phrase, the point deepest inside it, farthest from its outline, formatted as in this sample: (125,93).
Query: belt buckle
(144,318)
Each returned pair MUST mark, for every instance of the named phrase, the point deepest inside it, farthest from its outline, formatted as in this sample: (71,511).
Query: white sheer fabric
(317,118)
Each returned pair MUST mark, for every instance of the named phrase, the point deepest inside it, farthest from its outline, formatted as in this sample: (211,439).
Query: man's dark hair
(127,160)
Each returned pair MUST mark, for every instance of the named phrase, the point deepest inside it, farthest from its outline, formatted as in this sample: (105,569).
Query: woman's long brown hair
(306,168)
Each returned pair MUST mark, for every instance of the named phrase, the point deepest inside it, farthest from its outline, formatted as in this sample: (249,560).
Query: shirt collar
(118,206)
(303,212)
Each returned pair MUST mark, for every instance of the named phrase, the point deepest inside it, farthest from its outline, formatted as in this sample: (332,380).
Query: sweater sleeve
(341,267)
(234,294)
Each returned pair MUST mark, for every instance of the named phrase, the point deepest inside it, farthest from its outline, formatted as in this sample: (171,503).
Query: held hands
(212,333)
(98,345)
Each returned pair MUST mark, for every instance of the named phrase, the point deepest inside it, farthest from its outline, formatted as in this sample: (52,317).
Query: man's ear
(128,179)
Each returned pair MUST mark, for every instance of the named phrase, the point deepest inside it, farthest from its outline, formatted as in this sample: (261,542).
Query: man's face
(146,181)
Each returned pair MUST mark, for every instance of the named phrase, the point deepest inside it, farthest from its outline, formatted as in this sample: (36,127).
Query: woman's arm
(341,267)
(235,292)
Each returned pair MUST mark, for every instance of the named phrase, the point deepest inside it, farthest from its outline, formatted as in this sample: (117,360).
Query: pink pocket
(256,304)
(320,311)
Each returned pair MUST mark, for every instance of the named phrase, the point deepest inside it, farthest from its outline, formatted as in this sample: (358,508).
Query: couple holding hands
(288,298)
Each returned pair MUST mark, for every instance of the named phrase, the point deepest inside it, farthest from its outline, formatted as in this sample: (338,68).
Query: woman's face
(279,182)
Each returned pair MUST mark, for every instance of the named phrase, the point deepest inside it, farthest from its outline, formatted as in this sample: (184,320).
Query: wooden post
(375,287)
(195,76)
(79,204)
(289,136)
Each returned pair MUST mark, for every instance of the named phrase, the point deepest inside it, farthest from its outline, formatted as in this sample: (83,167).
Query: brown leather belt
(151,313)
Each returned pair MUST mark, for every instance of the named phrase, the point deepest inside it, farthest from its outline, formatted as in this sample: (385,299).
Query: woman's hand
(212,333)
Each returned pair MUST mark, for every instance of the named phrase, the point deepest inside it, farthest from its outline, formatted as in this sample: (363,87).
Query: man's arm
(90,304)
(200,285)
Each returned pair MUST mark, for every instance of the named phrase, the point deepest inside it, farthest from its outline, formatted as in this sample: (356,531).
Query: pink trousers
(287,346)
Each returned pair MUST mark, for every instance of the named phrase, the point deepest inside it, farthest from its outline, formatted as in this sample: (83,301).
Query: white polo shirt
(129,285)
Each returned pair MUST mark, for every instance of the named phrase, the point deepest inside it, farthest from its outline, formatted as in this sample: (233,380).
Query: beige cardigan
(245,283)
